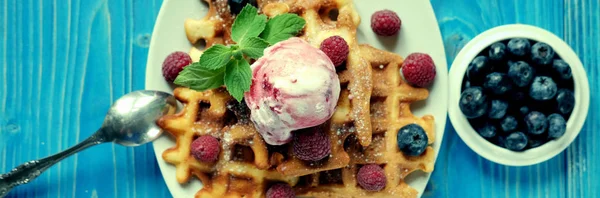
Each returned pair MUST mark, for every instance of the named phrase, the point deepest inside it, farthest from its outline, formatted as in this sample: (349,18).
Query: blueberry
(524,110)
(516,141)
(509,123)
(520,73)
(473,103)
(497,51)
(536,142)
(517,96)
(543,88)
(556,125)
(237,5)
(500,141)
(478,69)
(412,140)
(466,84)
(565,100)
(541,53)
(536,123)
(488,130)
(498,109)
(562,69)
(519,46)
(497,83)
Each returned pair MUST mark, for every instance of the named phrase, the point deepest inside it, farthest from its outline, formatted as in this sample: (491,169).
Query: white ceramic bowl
(498,154)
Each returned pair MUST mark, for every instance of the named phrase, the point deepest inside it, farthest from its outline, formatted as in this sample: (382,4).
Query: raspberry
(280,190)
(206,148)
(371,177)
(311,144)
(418,69)
(385,23)
(174,63)
(336,49)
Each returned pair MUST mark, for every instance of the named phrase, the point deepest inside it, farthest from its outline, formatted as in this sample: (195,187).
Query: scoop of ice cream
(294,86)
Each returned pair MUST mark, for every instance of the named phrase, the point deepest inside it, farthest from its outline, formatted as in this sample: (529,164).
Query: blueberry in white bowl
(519,95)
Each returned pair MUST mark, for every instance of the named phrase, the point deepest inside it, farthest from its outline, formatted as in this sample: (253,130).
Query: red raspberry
(336,49)
(174,63)
(280,190)
(311,144)
(371,177)
(419,69)
(206,148)
(385,23)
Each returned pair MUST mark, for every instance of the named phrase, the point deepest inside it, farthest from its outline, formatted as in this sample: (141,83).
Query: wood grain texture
(65,62)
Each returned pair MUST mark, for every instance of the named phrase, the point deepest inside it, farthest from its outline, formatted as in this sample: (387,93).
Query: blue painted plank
(582,19)
(65,61)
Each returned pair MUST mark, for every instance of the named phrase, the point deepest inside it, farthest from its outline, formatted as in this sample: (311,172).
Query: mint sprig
(282,27)
(247,24)
(228,65)
(238,77)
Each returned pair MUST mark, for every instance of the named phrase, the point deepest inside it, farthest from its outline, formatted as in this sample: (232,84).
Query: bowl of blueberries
(519,95)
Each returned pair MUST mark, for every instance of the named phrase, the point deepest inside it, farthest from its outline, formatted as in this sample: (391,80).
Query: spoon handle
(28,171)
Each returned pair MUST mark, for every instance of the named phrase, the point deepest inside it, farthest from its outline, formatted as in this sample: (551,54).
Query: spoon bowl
(131,120)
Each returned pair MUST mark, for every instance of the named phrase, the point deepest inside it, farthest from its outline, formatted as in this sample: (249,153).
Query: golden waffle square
(373,105)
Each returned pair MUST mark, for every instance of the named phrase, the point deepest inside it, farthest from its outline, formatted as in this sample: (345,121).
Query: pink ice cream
(294,86)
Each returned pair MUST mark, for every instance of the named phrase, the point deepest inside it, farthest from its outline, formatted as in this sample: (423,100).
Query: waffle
(374,103)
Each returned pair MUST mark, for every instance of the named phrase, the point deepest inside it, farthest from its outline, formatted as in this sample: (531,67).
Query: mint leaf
(282,27)
(216,57)
(247,24)
(253,47)
(238,78)
(197,77)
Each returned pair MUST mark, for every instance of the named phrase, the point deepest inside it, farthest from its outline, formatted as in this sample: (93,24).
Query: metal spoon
(131,121)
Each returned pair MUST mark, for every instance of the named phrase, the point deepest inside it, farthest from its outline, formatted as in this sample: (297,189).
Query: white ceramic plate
(419,33)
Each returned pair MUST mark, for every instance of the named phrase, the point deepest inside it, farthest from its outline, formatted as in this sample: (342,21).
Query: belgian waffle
(373,105)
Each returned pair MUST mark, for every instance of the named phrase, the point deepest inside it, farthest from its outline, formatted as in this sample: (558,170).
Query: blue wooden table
(64,63)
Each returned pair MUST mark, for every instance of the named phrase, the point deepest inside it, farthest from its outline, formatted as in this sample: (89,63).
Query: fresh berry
(205,148)
(240,110)
(536,123)
(521,73)
(509,123)
(280,190)
(541,53)
(536,142)
(565,100)
(385,23)
(371,177)
(497,83)
(562,69)
(311,144)
(488,130)
(174,63)
(516,141)
(473,103)
(524,110)
(237,5)
(500,140)
(517,96)
(412,140)
(498,109)
(556,125)
(497,51)
(478,69)
(543,88)
(519,46)
(466,85)
(419,69)
(336,49)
